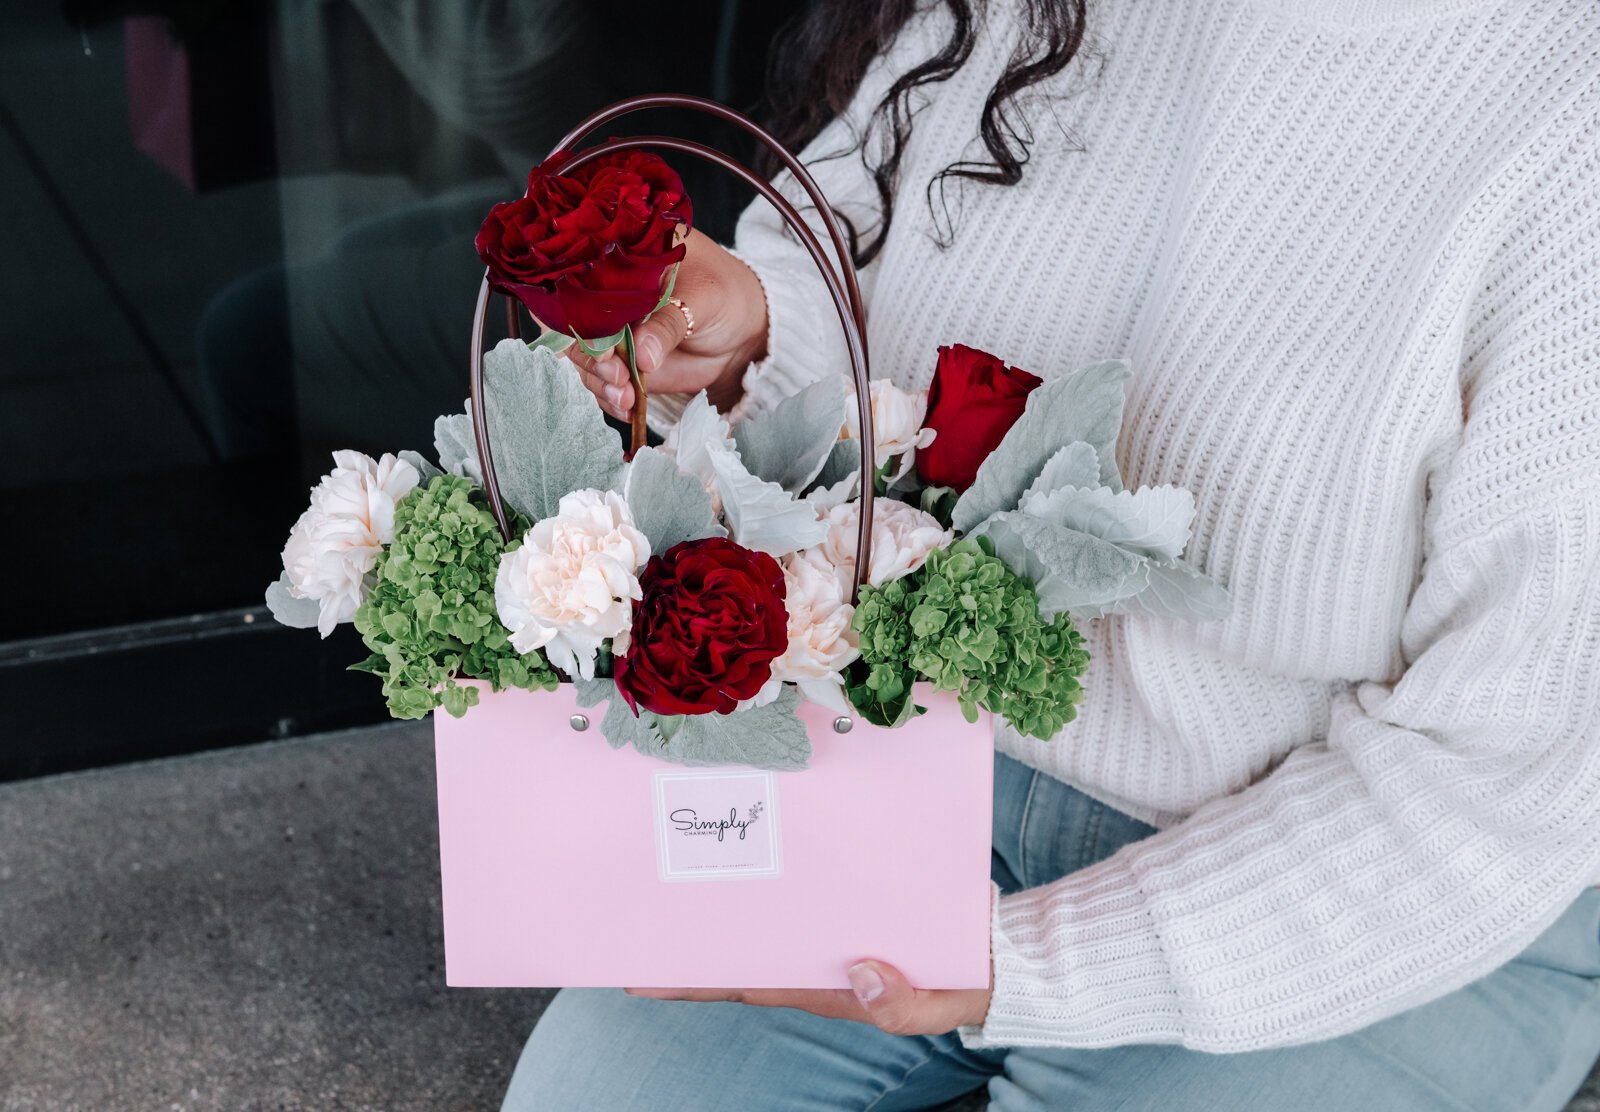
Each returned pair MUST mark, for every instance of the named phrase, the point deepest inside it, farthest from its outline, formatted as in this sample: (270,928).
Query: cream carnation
(573,581)
(897,430)
(332,548)
(821,642)
(902,537)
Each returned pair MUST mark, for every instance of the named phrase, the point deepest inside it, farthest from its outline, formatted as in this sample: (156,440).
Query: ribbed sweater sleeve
(1451,815)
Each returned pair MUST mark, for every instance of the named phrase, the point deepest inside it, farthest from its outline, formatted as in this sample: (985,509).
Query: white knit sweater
(1352,250)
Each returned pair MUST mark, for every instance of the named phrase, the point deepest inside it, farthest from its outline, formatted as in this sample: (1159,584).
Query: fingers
(657,337)
(879,994)
(606,377)
(891,1003)
(707,995)
(833,1003)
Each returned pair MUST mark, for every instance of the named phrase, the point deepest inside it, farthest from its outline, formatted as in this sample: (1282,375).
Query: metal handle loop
(844,291)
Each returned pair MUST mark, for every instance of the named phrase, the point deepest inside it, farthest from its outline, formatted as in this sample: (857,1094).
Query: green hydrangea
(967,623)
(430,615)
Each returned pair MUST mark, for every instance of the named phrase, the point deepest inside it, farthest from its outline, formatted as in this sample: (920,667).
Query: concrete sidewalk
(249,929)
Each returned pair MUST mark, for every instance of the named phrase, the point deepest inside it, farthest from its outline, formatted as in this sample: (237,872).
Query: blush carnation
(333,546)
(897,430)
(902,537)
(821,642)
(572,583)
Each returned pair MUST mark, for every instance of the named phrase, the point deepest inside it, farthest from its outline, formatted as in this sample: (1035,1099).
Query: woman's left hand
(879,994)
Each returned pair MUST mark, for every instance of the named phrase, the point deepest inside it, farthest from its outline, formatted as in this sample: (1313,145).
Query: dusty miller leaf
(296,613)
(1153,521)
(1071,571)
(791,442)
(1177,590)
(620,726)
(762,515)
(763,737)
(837,482)
(698,431)
(426,470)
(1085,405)
(548,436)
(668,506)
(453,443)
(843,462)
(1075,465)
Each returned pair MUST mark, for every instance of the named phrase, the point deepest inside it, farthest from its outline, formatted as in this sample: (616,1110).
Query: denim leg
(1044,829)
(603,1051)
(1520,1039)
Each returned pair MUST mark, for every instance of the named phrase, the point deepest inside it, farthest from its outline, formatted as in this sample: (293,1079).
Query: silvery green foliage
(1176,590)
(1083,406)
(1153,521)
(837,483)
(620,725)
(843,462)
(763,737)
(790,443)
(700,429)
(425,470)
(1070,570)
(548,436)
(1051,502)
(668,506)
(454,444)
(1102,552)
(297,613)
(1076,465)
(760,514)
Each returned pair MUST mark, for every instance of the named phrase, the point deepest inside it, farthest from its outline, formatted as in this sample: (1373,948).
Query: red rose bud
(706,630)
(587,252)
(972,404)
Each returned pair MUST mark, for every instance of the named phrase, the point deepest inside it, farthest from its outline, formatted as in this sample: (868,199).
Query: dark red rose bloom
(972,404)
(706,630)
(586,252)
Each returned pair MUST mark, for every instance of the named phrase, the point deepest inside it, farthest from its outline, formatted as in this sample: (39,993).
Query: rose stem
(637,432)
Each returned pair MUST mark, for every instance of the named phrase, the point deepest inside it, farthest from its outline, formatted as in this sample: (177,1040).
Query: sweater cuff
(791,337)
(795,357)
(1078,963)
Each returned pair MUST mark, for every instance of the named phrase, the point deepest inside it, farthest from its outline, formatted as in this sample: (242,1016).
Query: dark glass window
(241,237)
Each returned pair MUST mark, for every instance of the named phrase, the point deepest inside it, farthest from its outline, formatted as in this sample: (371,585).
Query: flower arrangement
(703,588)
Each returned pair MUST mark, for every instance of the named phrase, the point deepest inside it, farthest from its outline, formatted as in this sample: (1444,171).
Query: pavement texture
(249,929)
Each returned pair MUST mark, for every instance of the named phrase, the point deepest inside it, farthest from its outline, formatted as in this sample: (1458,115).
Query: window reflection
(241,236)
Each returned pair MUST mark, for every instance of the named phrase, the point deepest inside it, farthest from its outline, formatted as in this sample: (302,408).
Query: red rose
(586,252)
(972,404)
(705,632)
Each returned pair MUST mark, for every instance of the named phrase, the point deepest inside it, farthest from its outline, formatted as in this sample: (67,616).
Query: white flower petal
(571,584)
(336,542)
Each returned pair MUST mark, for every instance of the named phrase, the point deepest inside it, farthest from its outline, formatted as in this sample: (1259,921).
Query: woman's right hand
(724,297)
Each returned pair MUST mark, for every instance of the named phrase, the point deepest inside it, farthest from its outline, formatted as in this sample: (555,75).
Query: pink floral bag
(567,862)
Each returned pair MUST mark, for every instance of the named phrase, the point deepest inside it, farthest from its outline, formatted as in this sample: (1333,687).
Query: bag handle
(845,291)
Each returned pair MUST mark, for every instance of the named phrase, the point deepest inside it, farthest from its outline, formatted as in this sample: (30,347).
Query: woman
(1337,850)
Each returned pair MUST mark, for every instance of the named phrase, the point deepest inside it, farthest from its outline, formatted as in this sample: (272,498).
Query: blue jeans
(1520,1039)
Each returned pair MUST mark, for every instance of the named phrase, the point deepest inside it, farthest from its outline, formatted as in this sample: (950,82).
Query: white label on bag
(717,825)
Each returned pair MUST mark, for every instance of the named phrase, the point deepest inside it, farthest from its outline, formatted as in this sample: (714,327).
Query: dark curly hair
(818,60)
